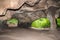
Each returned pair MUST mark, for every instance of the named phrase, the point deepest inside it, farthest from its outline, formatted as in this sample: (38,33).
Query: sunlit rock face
(9,4)
(13,4)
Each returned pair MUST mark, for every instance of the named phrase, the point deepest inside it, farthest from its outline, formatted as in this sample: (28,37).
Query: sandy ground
(28,34)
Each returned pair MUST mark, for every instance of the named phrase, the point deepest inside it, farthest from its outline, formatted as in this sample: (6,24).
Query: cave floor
(28,34)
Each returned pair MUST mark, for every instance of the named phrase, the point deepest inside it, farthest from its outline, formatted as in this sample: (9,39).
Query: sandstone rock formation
(34,9)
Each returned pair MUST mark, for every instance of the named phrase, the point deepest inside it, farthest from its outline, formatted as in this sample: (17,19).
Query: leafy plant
(12,21)
(41,23)
(58,22)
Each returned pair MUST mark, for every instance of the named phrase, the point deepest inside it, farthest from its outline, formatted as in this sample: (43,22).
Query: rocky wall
(44,8)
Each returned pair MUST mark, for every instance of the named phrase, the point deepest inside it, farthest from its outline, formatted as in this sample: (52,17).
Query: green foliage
(58,22)
(12,21)
(41,23)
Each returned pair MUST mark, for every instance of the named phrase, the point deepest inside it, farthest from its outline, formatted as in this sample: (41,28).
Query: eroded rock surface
(32,10)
